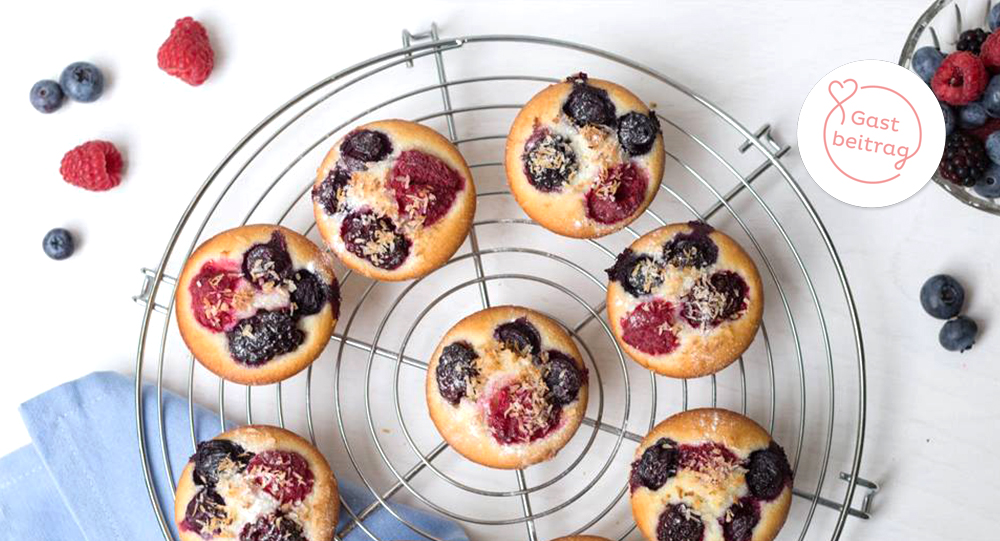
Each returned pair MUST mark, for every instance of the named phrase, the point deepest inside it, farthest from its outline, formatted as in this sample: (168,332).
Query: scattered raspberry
(961,79)
(94,165)
(990,53)
(187,53)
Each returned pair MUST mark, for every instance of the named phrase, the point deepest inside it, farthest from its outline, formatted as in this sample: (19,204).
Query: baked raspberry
(258,339)
(205,513)
(549,160)
(312,293)
(637,132)
(563,378)
(330,193)
(648,327)
(961,79)
(456,367)
(285,475)
(964,159)
(366,146)
(519,335)
(706,456)
(693,249)
(990,53)
(638,274)
(768,472)
(656,466)
(94,166)
(589,105)
(424,186)
(375,239)
(739,520)
(720,297)
(617,194)
(267,262)
(187,54)
(516,416)
(212,292)
(679,523)
(218,456)
(273,527)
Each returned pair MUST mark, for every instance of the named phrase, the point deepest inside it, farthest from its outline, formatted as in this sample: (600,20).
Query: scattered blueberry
(211,453)
(991,97)
(82,81)
(637,132)
(563,378)
(519,335)
(949,117)
(262,337)
(58,244)
(972,115)
(455,368)
(942,296)
(988,185)
(657,464)
(46,96)
(679,523)
(768,472)
(994,17)
(926,61)
(958,334)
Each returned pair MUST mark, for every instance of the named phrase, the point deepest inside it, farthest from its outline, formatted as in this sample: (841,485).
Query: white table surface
(933,416)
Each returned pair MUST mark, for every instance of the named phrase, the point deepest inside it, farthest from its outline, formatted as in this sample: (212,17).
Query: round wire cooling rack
(363,399)
(924,33)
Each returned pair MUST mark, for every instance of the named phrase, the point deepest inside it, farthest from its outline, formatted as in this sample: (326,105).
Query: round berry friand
(506,387)
(710,475)
(684,300)
(256,483)
(394,200)
(584,157)
(257,304)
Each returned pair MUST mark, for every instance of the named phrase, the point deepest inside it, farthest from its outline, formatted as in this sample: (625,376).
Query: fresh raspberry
(94,165)
(990,53)
(961,79)
(187,53)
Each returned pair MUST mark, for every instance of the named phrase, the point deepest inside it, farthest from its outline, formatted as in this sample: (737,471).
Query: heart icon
(842,89)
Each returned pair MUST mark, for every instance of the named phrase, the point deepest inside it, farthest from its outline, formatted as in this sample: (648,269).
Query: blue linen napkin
(81,478)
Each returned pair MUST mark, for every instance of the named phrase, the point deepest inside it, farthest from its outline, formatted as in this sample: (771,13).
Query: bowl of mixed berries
(960,60)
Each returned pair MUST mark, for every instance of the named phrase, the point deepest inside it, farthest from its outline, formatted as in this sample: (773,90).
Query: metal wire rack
(786,380)
(924,33)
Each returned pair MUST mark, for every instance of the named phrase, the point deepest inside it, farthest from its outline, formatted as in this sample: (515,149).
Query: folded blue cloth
(81,478)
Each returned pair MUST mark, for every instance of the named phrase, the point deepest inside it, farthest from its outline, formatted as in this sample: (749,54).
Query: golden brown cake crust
(708,500)
(432,246)
(581,538)
(698,353)
(565,212)
(463,426)
(211,349)
(318,511)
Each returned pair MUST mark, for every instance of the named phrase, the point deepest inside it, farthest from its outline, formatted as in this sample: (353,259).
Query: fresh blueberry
(991,97)
(456,366)
(994,17)
(958,334)
(82,81)
(972,115)
(46,96)
(993,147)
(926,62)
(949,117)
(988,185)
(58,244)
(942,296)
(657,464)
(563,378)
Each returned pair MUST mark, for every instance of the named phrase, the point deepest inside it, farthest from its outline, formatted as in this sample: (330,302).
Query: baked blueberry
(455,368)
(693,249)
(589,105)
(563,378)
(212,456)
(366,146)
(638,274)
(739,520)
(619,192)
(679,523)
(719,298)
(264,336)
(657,464)
(375,239)
(768,472)
(942,296)
(520,336)
(330,193)
(268,262)
(272,527)
(637,132)
(205,513)
(311,294)
(549,160)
